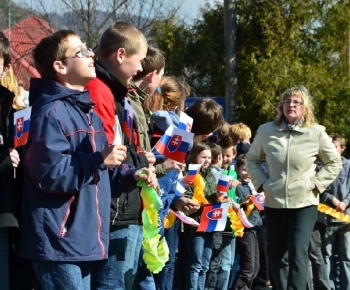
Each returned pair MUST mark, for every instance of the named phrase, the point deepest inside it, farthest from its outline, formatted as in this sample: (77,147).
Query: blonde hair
(121,35)
(303,93)
(239,131)
(174,91)
(10,82)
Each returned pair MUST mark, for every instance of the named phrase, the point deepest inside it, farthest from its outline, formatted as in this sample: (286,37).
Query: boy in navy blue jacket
(65,221)
(247,245)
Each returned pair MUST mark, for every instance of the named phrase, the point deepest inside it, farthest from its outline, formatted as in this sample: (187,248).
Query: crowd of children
(75,197)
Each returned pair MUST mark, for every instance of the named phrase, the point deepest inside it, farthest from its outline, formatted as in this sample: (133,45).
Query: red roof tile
(24,36)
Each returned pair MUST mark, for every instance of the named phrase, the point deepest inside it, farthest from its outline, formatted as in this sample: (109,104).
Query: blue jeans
(119,270)
(4,259)
(144,279)
(337,242)
(63,275)
(320,279)
(199,249)
(227,257)
(165,278)
(221,264)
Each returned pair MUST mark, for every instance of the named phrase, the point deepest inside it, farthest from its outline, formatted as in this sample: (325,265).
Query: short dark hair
(240,160)
(5,49)
(49,50)
(215,151)
(154,61)
(206,115)
(227,142)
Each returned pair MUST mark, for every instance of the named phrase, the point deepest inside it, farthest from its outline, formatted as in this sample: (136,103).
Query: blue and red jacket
(67,193)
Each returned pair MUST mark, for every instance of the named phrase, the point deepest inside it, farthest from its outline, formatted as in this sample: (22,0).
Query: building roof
(23,37)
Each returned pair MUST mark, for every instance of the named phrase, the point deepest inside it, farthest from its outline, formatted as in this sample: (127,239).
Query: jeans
(119,270)
(63,275)
(288,236)
(199,249)
(165,278)
(221,264)
(144,279)
(4,259)
(318,264)
(337,242)
(235,269)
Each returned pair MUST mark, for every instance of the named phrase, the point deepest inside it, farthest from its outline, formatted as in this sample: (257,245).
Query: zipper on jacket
(63,228)
(116,212)
(89,116)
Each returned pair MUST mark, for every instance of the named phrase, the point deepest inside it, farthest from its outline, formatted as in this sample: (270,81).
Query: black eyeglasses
(81,53)
(293,102)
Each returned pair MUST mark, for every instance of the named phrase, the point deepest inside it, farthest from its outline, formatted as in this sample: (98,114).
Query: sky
(191,8)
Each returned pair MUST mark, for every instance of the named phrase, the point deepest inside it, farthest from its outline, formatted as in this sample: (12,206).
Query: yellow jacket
(291,162)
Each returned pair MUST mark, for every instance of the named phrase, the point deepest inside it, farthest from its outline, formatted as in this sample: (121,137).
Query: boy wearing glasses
(66,192)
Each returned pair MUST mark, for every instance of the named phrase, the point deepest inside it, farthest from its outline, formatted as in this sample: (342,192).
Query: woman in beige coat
(291,145)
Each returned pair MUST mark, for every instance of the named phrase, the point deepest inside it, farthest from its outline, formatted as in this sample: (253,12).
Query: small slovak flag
(186,219)
(128,120)
(185,122)
(193,169)
(214,217)
(223,183)
(258,201)
(180,188)
(21,127)
(174,144)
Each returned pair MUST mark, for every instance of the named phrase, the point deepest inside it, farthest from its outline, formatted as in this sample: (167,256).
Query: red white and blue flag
(180,188)
(258,201)
(186,219)
(174,144)
(21,127)
(128,120)
(185,122)
(223,183)
(244,219)
(193,169)
(214,217)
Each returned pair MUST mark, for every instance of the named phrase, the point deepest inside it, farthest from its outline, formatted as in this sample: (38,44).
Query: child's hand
(222,197)
(247,199)
(234,183)
(187,205)
(185,182)
(147,174)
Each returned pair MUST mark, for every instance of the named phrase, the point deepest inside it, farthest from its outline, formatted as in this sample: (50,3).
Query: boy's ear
(59,67)
(150,76)
(120,54)
(5,70)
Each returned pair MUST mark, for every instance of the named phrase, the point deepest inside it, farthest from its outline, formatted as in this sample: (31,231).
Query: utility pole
(230,62)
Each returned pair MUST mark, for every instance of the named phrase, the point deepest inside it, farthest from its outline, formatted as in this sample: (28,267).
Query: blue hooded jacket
(67,192)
